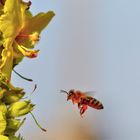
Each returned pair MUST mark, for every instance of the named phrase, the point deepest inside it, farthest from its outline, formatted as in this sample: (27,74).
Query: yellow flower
(20,31)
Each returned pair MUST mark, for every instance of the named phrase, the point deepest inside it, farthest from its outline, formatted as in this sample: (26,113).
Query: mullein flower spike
(19,32)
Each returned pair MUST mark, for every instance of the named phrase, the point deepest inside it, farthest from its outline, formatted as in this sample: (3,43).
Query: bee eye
(71,91)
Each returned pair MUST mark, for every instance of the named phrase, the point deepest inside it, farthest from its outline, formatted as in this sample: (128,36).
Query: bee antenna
(64,92)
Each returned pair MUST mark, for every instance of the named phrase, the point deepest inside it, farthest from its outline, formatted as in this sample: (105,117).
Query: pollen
(34,37)
(8,54)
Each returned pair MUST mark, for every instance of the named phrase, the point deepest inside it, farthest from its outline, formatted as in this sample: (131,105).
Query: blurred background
(90,45)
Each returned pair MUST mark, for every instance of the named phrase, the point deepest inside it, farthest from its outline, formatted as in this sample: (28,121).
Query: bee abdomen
(95,104)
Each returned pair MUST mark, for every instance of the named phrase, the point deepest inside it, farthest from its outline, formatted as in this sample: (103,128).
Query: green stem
(38,123)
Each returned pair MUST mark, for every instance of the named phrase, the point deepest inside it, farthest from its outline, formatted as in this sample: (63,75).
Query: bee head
(70,94)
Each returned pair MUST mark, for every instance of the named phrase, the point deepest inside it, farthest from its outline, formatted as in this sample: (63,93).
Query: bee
(83,100)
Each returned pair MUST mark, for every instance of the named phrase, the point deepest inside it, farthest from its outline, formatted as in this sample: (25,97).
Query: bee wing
(88,93)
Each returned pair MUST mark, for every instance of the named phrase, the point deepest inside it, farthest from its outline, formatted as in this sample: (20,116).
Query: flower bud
(4,137)
(4,81)
(12,126)
(2,91)
(3,108)
(3,111)
(12,137)
(18,109)
(2,123)
(12,96)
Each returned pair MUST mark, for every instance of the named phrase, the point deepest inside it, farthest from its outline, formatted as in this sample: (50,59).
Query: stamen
(38,123)
(27,4)
(30,80)
(30,3)
(35,87)
(34,37)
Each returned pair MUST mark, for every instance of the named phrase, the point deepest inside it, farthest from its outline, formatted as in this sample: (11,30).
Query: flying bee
(83,100)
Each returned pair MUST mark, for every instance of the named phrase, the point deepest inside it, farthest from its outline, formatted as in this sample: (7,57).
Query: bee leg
(73,101)
(83,109)
(79,105)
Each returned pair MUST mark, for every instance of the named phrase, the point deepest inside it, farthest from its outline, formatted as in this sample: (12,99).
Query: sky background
(90,45)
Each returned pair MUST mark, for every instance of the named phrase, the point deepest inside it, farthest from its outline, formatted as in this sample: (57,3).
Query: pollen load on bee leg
(83,109)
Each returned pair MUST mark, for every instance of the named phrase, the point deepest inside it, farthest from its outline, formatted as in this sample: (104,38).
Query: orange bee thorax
(77,96)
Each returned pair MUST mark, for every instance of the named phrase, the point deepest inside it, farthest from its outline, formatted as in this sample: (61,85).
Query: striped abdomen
(92,102)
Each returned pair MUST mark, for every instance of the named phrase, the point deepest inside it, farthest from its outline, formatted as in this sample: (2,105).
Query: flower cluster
(19,32)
